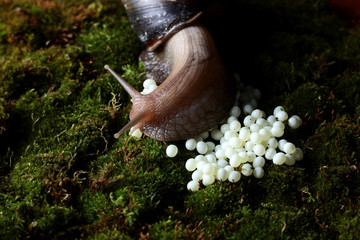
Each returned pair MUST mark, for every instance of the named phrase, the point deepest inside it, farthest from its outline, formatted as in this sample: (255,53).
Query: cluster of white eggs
(238,147)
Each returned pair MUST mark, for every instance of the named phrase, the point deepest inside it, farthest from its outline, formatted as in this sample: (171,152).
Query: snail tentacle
(128,88)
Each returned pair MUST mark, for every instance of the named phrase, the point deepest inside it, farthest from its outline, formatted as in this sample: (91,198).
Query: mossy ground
(64,176)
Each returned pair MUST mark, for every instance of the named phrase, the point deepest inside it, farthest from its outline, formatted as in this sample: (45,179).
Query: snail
(195,91)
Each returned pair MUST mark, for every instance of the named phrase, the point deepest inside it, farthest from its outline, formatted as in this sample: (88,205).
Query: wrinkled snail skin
(196,94)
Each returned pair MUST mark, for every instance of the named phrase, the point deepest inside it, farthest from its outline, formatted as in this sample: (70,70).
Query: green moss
(106,46)
(38,24)
(347,86)
(335,143)
(4,115)
(348,224)
(93,205)
(63,175)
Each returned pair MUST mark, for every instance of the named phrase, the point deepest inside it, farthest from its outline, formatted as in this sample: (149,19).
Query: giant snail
(195,91)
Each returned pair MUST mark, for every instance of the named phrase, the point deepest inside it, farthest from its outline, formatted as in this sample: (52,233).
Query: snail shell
(195,93)
(156,20)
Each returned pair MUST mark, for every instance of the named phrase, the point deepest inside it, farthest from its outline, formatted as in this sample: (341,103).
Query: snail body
(195,92)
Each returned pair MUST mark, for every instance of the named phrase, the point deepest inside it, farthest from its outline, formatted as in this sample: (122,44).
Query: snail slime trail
(195,91)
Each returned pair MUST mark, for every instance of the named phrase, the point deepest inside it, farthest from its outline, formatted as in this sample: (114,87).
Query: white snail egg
(197,175)
(249,146)
(224,128)
(251,156)
(255,138)
(235,125)
(229,134)
(234,176)
(270,153)
(210,145)
(201,147)
(190,164)
(228,169)
(222,163)
(289,148)
(152,88)
(137,133)
(208,169)
(222,140)
(190,144)
(193,186)
(229,152)
(216,134)
(216,166)
(281,115)
(294,122)
(262,122)
(221,174)
(148,83)
(265,134)
(200,165)
(246,166)
(258,162)
(259,150)
(235,111)
(246,170)
(290,159)
(220,153)
(277,131)
(279,124)
(271,119)
(255,127)
(248,108)
(235,142)
(208,179)
(248,120)
(225,145)
(171,150)
(299,154)
(144,92)
(282,142)
(239,150)
(199,158)
(211,158)
(278,108)
(268,128)
(258,172)
(279,158)
(244,134)
(231,119)
(272,143)
(235,160)
(204,135)
(244,157)
(256,114)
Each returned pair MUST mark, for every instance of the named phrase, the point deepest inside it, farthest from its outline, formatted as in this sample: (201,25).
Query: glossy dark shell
(155,20)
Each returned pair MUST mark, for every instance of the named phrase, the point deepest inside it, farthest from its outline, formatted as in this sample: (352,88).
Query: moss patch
(63,175)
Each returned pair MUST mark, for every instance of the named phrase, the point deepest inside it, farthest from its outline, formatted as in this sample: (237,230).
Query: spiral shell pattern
(156,20)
